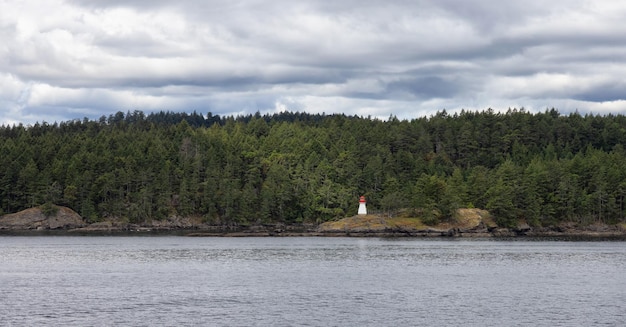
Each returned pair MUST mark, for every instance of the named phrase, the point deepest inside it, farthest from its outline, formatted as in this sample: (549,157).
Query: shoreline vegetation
(472,223)
(534,173)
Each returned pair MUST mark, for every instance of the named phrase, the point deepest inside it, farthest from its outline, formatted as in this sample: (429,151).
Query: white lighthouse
(362,209)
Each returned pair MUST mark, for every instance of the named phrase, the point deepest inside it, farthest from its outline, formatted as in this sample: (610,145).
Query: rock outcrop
(467,222)
(35,219)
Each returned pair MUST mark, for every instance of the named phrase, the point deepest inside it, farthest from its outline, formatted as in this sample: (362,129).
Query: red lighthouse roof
(362,199)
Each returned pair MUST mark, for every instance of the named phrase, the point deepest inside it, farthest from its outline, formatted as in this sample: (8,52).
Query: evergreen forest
(543,168)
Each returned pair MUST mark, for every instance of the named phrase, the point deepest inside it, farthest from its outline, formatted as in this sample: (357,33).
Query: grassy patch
(406,223)
(464,218)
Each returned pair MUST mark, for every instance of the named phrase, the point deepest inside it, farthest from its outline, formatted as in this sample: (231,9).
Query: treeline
(544,168)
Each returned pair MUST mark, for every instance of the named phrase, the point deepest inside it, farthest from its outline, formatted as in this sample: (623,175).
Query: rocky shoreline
(474,224)
(577,234)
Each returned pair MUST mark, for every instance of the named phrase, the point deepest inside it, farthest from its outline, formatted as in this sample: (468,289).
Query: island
(522,173)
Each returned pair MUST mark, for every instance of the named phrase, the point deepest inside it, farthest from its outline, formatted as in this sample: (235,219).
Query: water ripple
(165,281)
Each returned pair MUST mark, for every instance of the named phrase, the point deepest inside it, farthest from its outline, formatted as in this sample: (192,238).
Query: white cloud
(65,59)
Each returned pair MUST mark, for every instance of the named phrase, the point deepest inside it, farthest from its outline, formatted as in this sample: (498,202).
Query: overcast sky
(62,60)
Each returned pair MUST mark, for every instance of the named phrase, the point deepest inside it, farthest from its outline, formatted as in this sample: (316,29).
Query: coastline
(611,233)
(467,223)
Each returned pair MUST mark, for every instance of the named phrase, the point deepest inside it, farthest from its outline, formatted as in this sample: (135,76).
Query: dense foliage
(293,167)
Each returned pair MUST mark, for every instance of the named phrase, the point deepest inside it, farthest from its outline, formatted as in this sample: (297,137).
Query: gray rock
(33,218)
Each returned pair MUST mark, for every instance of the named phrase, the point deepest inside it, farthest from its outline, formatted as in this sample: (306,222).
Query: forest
(543,168)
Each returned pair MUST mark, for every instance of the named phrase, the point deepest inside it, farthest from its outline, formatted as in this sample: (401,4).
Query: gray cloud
(426,87)
(68,59)
(602,93)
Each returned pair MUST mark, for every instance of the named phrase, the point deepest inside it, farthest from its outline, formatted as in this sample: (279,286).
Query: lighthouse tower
(362,209)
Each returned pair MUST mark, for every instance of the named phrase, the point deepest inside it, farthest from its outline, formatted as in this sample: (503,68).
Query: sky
(69,59)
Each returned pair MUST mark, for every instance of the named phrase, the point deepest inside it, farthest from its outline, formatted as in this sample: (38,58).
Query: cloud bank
(63,60)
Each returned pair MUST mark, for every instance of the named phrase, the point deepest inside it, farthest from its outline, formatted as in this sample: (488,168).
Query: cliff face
(34,218)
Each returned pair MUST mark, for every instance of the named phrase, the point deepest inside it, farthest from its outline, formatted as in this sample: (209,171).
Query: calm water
(180,281)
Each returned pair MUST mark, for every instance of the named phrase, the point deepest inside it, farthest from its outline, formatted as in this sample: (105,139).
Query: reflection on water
(169,280)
